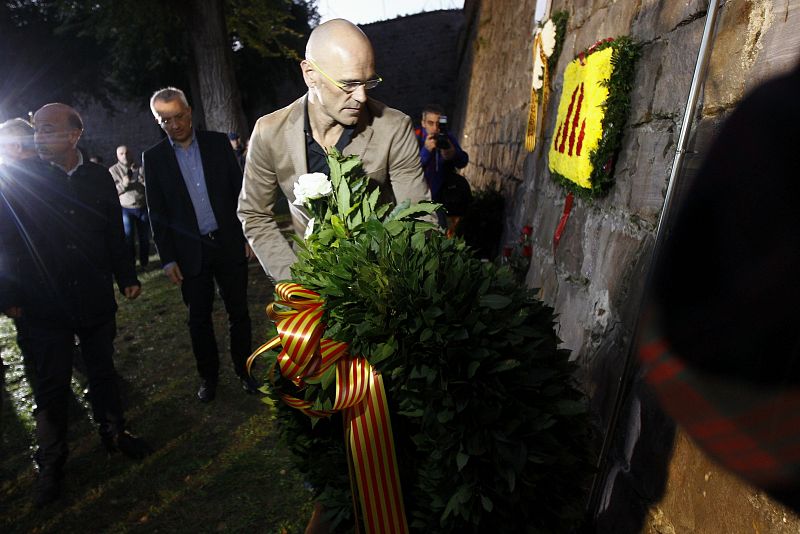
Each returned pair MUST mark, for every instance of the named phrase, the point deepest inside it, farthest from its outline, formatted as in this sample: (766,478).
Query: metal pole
(698,79)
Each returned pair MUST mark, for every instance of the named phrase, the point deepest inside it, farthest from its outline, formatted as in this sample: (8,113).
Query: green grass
(217,467)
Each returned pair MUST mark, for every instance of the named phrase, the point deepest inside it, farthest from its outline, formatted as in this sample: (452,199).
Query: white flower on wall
(548,44)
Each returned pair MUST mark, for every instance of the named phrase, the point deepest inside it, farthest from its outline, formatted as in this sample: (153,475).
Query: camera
(441,138)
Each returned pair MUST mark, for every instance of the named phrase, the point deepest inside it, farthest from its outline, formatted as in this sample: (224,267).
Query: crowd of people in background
(71,227)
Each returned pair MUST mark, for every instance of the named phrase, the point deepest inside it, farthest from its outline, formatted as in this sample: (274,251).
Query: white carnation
(549,37)
(538,72)
(309,228)
(548,43)
(310,187)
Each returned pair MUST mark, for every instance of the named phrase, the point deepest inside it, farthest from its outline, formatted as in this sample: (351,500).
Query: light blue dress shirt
(192,170)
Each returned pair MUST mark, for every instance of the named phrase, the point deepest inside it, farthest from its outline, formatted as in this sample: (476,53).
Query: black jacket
(61,243)
(172,214)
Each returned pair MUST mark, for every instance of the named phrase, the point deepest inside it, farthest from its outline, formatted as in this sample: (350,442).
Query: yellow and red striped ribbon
(360,395)
(532,127)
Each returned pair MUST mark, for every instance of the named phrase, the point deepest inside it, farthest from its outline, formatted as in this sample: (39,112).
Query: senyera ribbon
(304,358)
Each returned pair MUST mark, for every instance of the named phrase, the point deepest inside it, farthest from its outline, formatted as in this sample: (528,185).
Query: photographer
(440,155)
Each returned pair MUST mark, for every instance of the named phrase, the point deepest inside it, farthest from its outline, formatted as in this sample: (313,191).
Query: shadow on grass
(217,466)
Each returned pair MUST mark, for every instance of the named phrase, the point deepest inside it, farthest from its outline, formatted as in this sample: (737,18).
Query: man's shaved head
(338,55)
(338,40)
(57,129)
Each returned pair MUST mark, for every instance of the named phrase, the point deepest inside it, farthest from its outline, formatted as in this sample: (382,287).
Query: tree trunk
(213,57)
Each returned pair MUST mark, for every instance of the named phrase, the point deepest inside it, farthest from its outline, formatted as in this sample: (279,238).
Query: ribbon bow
(304,358)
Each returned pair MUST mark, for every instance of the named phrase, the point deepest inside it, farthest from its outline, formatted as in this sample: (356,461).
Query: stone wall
(595,277)
(417,56)
(127,123)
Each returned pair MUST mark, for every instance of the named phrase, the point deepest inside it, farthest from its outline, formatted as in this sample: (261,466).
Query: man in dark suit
(193,183)
(61,247)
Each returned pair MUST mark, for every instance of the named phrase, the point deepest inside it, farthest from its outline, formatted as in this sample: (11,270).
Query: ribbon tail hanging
(563,222)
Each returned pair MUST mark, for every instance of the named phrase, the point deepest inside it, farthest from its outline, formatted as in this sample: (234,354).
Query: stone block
(610,247)
(572,306)
(648,75)
(736,46)
(678,61)
(643,168)
(611,20)
(572,247)
(780,43)
(656,18)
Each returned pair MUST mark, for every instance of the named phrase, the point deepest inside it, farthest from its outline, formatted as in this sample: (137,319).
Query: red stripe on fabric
(566,122)
(580,138)
(782,429)
(558,134)
(575,120)
(685,404)
(366,470)
(757,461)
(708,429)
(383,431)
(371,459)
(733,444)
(563,222)
(665,371)
(652,350)
(359,464)
(371,425)
(781,404)
(391,458)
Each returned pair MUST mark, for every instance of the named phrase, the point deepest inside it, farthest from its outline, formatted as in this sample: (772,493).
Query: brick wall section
(660,482)
(417,56)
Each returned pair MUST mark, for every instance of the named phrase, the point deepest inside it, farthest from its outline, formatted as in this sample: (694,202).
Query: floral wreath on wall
(416,386)
(592,113)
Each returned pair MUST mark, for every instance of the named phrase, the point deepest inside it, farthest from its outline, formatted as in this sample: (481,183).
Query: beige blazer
(383,139)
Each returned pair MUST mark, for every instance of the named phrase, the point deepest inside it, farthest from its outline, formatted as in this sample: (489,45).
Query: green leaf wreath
(490,429)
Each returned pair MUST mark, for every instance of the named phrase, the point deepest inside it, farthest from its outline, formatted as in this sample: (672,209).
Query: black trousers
(51,349)
(230,275)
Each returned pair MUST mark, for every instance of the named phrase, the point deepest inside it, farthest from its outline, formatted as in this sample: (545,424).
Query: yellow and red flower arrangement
(592,113)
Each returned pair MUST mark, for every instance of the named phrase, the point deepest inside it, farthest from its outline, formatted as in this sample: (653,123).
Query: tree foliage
(132,48)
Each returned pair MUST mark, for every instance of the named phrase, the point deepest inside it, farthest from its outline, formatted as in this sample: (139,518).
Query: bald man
(64,245)
(339,69)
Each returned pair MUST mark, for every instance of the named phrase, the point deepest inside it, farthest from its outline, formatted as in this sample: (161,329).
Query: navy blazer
(172,214)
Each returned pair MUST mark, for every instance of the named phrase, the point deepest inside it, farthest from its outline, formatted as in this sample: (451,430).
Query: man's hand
(430,143)
(248,252)
(15,312)
(131,292)
(174,273)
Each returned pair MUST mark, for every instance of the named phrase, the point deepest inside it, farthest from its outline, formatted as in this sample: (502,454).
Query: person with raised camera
(440,155)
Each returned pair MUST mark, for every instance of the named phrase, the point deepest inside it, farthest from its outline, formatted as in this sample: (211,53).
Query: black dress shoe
(249,384)
(128,444)
(207,392)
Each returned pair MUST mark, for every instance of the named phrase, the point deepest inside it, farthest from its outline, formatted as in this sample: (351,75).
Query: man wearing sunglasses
(339,69)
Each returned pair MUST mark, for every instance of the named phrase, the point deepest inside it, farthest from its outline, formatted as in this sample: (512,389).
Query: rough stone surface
(417,58)
(595,278)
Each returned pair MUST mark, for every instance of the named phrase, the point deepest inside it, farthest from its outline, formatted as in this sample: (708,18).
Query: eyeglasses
(347,87)
(165,122)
